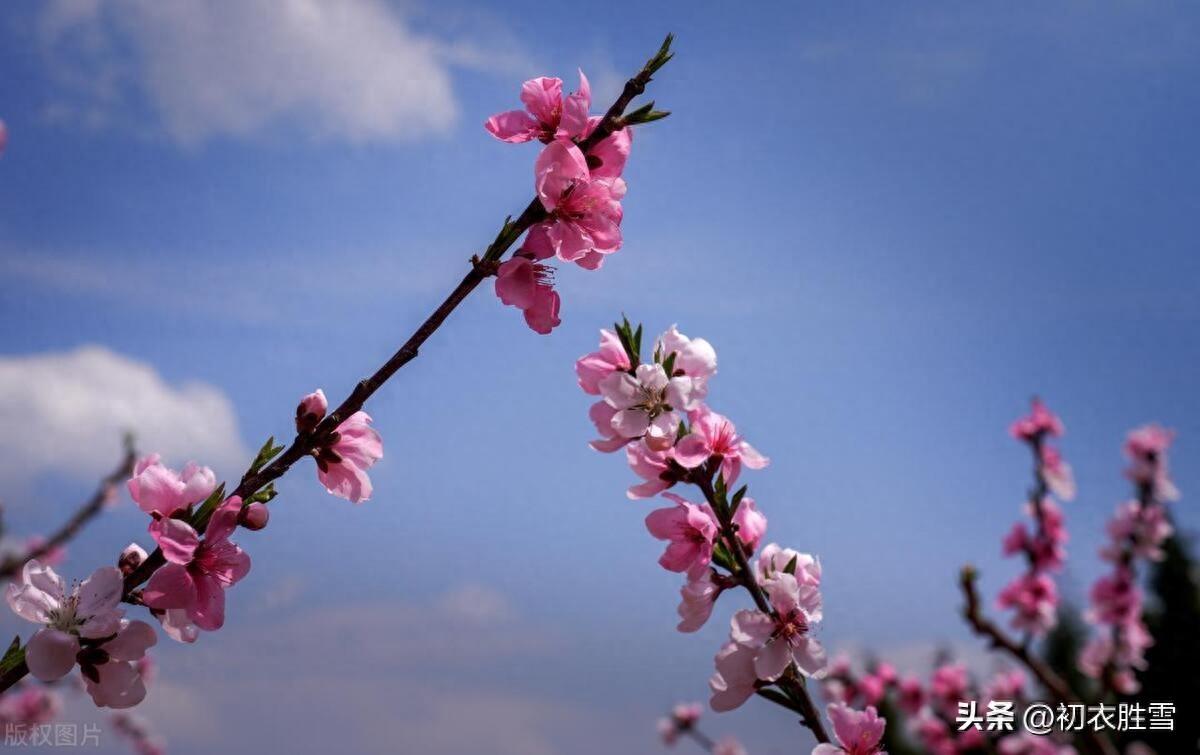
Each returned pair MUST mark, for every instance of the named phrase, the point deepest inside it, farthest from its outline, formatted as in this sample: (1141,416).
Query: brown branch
(93,506)
(305,443)
(1052,682)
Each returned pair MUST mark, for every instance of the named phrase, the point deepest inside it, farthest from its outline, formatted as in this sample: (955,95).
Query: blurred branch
(10,567)
(1052,682)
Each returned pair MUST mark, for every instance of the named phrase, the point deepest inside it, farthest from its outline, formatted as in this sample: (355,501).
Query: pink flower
(607,159)
(782,638)
(694,357)
(690,531)
(157,489)
(602,414)
(774,560)
(1040,421)
(310,411)
(1034,597)
(683,717)
(856,732)
(1147,448)
(646,403)
(1057,473)
(91,612)
(1005,685)
(1116,598)
(342,463)
(934,734)
(529,286)
(116,682)
(198,571)
(547,116)
(1140,529)
(751,524)
(584,220)
(652,466)
(911,695)
(728,746)
(697,598)
(949,685)
(594,367)
(734,680)
(28,705)
(713,435)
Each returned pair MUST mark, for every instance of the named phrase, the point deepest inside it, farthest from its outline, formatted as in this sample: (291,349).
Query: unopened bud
(311,411)
(131,558)
(254,516)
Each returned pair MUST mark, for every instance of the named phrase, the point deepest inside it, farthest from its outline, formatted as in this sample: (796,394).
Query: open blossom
(683,717)
(1034,597)
(584,222)
(157,489)
(529,286)
(697,598)
(651,465)
(857,732)
(1140,529)
(547,115)
(1116,598)
(734,680)
(607,159)
(910,695)
(694,357)
(1039,422)
(84,626)
(28,705)
(197,572)
(690,531)
(774,560)
(781,639)
(714,435)
(1060,480)
(594,367)
(645,404)
(343,461)
(949,685)
(90,611)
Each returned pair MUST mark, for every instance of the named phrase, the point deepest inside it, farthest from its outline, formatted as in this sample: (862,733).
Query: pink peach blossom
(91,611)
(856,732)
(607,159)
(594,367)
(118,682)
(697,598)
(652,466)
(713,435)
(310,411)
(690,531)
(646,404)
(1034,597)
(547,115)
(584,220)
(1057,473)
(751,524)
(734,680)
(602,415)
(157,489)
(198,571)
(728,746)
(1146,447)
(529,286)
(1039,422)
(342,463)
(1024,743)
(774,559)
(782,638)
(694,358)
(1140,530)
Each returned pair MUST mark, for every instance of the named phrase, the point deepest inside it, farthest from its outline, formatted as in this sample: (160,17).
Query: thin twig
(93,506)
(305,443)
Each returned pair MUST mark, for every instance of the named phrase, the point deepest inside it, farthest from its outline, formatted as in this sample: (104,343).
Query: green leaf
(13,656)
(266,495)
(268,451)
(737,500)
(202,515)
(791,566)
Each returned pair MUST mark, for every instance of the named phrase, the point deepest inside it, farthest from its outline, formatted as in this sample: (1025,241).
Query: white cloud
(66,412)
(347,70)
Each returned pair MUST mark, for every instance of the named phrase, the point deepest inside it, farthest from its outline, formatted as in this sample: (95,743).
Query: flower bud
(311,411)
(254,516)
(131,558)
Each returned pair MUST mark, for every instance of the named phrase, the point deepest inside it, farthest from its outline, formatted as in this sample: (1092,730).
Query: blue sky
(895,225)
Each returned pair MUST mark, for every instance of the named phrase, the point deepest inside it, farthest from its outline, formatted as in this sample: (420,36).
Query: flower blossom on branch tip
(157,489)
(782,637)
(714,435)
(857,732)
(529,286)
(547,115)
(690,531)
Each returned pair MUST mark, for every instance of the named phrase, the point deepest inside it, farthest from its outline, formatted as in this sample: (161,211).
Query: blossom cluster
(579,193)
(652,406)
(932,708)
(1033,595)
(1136,532)
(192,523)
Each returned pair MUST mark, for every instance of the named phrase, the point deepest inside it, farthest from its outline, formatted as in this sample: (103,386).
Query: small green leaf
(13,656)
(737,500)
(266,495)
(268,451)
(791,566)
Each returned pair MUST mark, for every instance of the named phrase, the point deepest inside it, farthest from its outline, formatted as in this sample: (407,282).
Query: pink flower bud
(131,558)
(311,411)
(254,516)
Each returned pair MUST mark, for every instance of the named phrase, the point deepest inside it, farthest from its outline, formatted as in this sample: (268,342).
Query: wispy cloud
(359,72)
